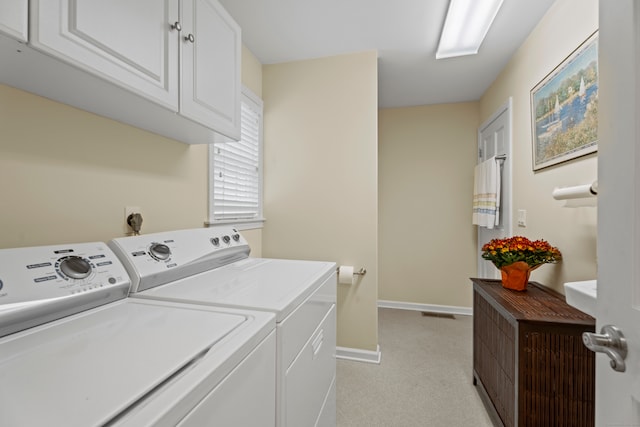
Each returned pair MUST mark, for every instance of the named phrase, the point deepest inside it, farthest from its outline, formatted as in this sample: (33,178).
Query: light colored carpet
(424,378)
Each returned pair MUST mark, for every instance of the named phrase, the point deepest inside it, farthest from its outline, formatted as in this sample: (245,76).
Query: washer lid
(274,285)
(86,369)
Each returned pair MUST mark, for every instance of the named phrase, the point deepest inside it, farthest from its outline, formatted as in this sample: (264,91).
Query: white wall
(321,193)
(252,79)
(66,175)
(427,153)
(427,243)
(565,26)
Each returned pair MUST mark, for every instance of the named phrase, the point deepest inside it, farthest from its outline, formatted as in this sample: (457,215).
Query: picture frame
(564,109)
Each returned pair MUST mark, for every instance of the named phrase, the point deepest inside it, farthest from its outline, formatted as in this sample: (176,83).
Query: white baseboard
(369,356)
(444,309)
(359,355)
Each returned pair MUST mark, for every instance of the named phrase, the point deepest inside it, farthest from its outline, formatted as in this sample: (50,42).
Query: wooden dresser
(529,363)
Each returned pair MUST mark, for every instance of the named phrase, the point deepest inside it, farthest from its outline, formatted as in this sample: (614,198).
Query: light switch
(522,218)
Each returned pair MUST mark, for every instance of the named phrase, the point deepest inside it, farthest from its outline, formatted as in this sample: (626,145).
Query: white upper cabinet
(14,18)
(183,55)
(210,59)
(128,43)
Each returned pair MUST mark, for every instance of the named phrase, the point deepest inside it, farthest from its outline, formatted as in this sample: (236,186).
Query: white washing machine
(301,294)
(74,351)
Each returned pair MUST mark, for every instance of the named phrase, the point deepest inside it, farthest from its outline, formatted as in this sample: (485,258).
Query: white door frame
(505,229)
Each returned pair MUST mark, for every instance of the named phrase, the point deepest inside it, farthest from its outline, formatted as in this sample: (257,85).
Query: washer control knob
(215,241)
(160,251)
(236,237)
(75,267)
(226,239)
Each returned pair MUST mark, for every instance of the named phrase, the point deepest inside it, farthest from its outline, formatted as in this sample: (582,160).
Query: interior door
(618,393)
(494,139)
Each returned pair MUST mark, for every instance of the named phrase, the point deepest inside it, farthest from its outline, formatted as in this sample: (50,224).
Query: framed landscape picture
(564,108)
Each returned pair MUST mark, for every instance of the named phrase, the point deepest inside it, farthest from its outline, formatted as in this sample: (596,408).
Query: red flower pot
(516,276)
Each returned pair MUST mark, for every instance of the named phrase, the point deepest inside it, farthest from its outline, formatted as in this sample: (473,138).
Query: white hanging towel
(486,193)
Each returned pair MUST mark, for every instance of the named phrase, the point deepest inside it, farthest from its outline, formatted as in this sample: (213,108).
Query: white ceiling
(404,32)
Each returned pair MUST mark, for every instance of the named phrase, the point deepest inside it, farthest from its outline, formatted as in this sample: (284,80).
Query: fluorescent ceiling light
(465,27)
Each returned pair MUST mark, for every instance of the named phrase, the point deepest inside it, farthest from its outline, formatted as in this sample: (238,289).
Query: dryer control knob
(215,241)
(226,239)
(236,237)
(75,267)
(160,251)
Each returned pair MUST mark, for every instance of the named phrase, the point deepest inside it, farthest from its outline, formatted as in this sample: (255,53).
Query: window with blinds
(235,169)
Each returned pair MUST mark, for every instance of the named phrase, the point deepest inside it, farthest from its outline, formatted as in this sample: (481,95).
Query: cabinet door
(127,42)
(13,18)
(210,66)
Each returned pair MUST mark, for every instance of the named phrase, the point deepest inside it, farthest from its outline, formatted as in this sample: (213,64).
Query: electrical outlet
(128,211)
(522,218)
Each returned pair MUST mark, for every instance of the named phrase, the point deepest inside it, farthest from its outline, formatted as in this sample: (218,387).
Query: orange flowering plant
(507,251)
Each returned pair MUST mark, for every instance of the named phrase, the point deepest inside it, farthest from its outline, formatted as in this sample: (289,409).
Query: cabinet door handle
(176,26)
(190,38)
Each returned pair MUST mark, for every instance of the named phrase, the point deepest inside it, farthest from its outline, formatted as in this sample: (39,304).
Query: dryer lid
(276,285)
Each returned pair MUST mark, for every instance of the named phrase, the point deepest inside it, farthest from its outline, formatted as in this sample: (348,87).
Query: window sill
(242,224)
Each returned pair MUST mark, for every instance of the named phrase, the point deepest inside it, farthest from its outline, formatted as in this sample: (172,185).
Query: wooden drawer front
(494,357)
(557,377)
(529,362)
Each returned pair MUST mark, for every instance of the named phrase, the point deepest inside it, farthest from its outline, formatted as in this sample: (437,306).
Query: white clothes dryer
(74,351)
(212,266)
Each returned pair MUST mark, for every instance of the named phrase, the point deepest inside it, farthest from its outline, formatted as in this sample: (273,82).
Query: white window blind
(236,177)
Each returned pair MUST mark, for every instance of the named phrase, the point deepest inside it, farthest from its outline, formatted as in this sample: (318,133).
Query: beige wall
(321,176)
(252,78)
(251,71)
(66,175)
(567,24)
(427,242)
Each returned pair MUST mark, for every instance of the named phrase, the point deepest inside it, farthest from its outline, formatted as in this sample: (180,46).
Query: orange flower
(518,248)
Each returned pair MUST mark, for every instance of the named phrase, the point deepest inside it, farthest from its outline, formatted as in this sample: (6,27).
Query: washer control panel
(55,271)
(48,282)
(155,259)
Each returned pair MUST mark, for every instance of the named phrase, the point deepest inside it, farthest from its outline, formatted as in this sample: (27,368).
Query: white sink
(582,295)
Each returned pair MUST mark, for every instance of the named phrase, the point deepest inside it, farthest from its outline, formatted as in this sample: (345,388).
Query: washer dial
(160,251)
(75,267)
